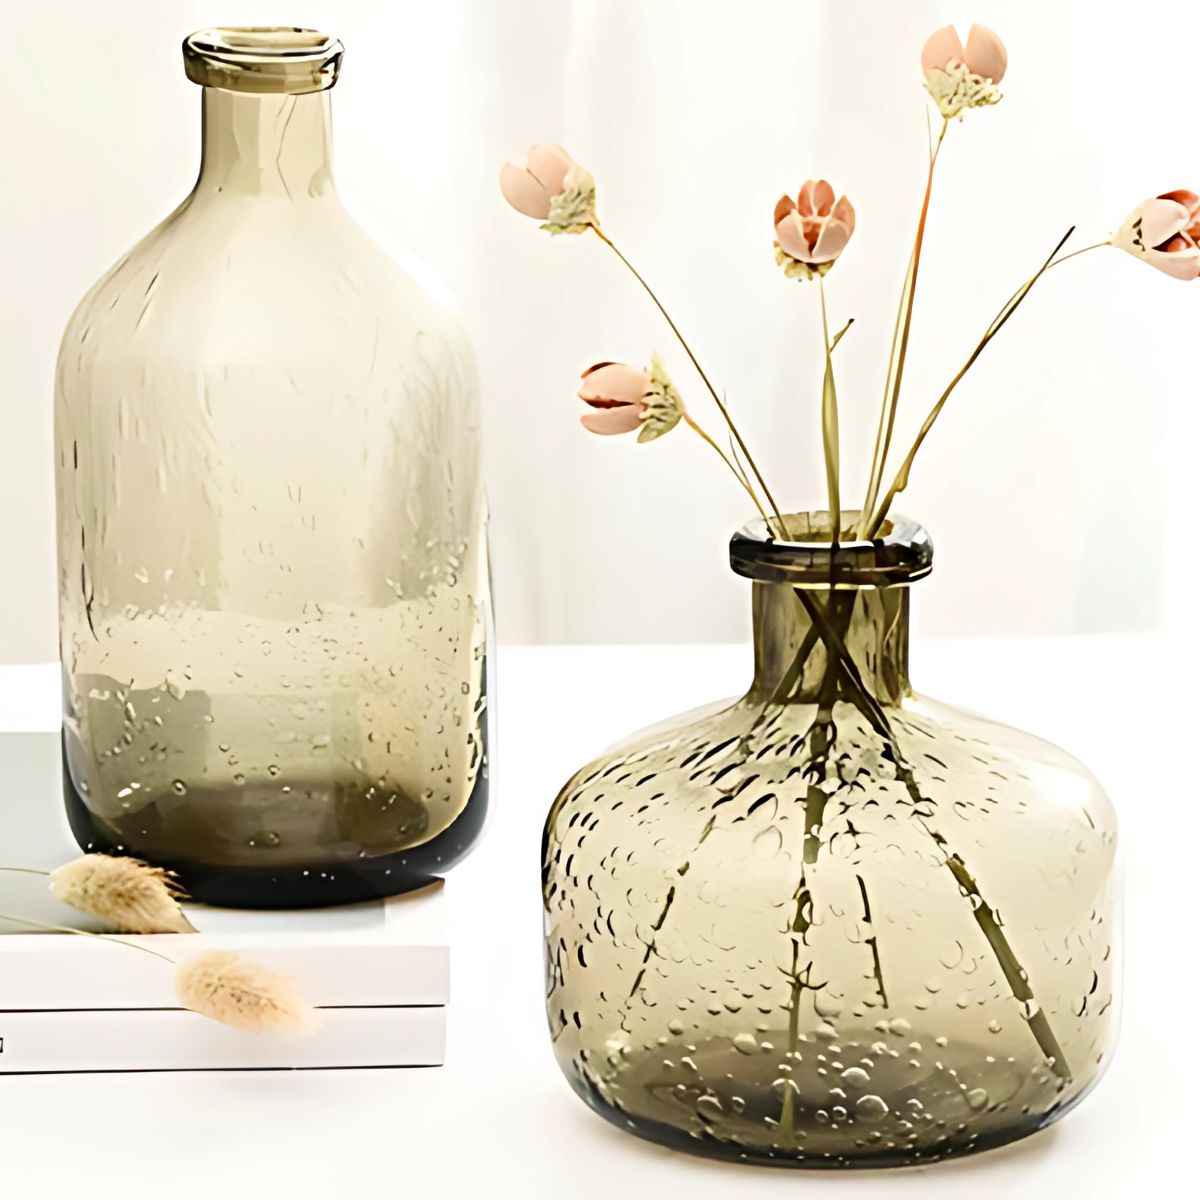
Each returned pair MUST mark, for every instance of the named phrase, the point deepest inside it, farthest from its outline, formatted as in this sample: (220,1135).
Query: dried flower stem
(872,941)
(744,479)
(1075,253)
(695,427)
(26,871)
(872,524)
(891,387)
(840,662)
(104,937)
(699,371)
(829,427)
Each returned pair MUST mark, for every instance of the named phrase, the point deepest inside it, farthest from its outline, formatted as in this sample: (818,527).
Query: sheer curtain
(1061,458)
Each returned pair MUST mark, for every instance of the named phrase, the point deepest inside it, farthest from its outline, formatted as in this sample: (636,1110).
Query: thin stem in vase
(899,352)
(873,941)
(820,739)
(874,521)
(829,427)
(984,915)
(733,429)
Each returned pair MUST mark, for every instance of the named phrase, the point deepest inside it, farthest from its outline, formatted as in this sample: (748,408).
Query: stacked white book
(378,972)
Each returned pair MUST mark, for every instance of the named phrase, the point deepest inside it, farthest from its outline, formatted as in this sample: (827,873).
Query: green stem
(821,735)
(712,391)
(896,361)
(872,941)
(787,1114)
(876,519)
(1075,253)
(984,915)
(695,427)
(829,427)
(1014,974)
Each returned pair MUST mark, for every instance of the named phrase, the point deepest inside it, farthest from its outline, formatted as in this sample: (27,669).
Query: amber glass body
(832,922)
(272,560)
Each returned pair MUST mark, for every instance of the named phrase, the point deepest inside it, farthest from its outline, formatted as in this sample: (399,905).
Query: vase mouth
(263,59)
(901,554)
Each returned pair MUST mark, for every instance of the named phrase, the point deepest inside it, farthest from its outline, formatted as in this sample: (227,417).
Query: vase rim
(901,554)
(263,59)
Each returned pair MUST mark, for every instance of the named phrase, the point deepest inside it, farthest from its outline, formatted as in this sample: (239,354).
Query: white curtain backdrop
(1058,488)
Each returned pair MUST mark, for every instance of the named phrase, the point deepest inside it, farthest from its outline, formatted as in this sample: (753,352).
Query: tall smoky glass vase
(271,526)
(832,923)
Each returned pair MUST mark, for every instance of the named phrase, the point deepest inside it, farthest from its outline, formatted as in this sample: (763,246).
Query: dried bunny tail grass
(127,893)
(226,988)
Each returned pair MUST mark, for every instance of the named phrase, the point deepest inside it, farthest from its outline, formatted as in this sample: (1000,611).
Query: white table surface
(499,1119)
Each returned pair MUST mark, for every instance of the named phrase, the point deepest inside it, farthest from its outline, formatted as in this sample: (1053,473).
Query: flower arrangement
(812,232)
(830,738)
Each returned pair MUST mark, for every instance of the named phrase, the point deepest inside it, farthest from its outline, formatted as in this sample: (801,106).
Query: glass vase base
(321,883)
(906,1110)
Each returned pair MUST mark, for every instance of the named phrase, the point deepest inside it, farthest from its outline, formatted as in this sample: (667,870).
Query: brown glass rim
(900,555)
(264,59)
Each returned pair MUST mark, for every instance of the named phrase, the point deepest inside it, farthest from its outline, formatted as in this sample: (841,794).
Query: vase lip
(900,555)
(263,59)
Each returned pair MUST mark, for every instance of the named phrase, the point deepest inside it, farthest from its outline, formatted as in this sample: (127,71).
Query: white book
(363,958)
(166,1040)
(381,967)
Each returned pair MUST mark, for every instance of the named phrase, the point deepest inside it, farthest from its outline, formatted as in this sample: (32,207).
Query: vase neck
(267,146)
(872,623)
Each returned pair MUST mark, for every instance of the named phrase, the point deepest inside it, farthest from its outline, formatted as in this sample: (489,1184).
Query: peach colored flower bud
(551,187)
(959,78)
(626,398)
(984,54)
(617,394)
(812,230)
(1165,232)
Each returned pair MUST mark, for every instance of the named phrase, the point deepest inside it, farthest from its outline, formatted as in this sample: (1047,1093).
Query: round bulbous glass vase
(274,599)
(832,923)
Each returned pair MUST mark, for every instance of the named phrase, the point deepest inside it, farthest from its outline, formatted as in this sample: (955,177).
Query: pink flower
(813,229)
(551,187)
(984,54)
(617,394)
(529,189)
(626,398)
(959,78)
(1165,231)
